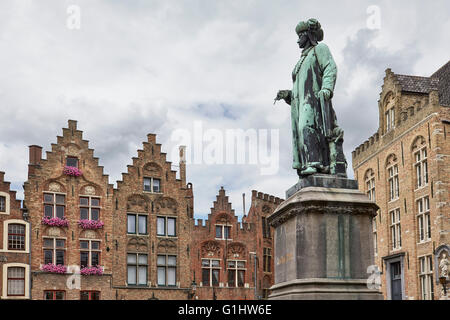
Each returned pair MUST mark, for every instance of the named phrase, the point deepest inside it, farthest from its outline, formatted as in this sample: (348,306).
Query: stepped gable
(151,160)
(5,187)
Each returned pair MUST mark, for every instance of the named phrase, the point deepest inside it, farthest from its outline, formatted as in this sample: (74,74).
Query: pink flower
(55,222)
(90,224)
(49,267)
(72,171)
(88,271)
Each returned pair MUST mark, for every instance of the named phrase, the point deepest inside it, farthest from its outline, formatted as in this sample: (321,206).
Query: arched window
(419,150)
(389,112)
(392,174)
(369,179)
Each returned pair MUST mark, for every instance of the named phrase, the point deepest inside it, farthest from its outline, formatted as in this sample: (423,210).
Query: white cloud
(136,67)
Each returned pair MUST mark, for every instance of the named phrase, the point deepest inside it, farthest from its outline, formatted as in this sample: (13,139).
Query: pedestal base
(323,241)
(324,289)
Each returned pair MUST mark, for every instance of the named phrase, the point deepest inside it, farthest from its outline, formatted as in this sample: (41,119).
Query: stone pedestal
(323,241)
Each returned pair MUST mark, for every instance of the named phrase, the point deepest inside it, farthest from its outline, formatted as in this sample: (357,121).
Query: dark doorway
(396,281)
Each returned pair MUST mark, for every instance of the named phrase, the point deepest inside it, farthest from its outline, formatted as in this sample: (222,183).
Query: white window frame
(423,219)
(370,187)
(151,185)
(393,182)
(136,223)
(136,268)
(375,235)
(54,203)
(390,119)
(236,270)
(223,226)
(5,235)
(166,227)
(54,248)
(89,206)
(395,229)
(90,250)
(426,284)
(5,280)
(210,269)
(166,267)
(7,203)
(421,167)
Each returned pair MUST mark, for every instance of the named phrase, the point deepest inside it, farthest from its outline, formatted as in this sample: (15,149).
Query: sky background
(137,67)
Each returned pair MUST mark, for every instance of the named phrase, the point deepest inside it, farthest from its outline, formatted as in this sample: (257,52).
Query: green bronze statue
(317,139)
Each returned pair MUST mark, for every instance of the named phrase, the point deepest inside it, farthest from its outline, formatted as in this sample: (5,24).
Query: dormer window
(72,162)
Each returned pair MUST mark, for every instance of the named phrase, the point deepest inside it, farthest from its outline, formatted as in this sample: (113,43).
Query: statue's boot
(309,170)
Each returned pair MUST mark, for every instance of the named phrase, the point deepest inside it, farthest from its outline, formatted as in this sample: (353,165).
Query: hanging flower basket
(92,271)
(55,222)
(72,171)
(49,267)
(90,224)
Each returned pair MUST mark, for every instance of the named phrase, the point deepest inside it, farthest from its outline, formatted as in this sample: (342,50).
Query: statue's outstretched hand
(283,94)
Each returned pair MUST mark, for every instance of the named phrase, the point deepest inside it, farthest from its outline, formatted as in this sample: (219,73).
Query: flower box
(90,224)
(54,268)
(89,271)
(72,171)
(55,222)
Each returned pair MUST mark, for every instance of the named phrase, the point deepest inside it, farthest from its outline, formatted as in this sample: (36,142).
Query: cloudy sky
(167,67)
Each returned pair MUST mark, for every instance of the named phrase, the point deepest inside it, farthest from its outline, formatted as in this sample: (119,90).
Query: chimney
(243,202)
(35,153)
(183,165)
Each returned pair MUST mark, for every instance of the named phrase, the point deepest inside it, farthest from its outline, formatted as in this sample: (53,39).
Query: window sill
(424,241)
(151,192)
(421,187)
(223,239)
(138,234)
(393,200)
(14,251)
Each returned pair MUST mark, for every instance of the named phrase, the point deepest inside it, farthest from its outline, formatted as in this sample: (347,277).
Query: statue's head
(309,31)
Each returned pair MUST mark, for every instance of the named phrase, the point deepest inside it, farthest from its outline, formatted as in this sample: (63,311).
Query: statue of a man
(317,140)
(443,265)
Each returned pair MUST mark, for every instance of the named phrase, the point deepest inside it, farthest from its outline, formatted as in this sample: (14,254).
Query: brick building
(405,168)
(14,245)
(226,252)
(63,207)
(84,239)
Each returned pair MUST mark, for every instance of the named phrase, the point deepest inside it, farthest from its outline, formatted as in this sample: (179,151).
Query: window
(167,269)
(54,205)
(2,204)
(152,185)
(370,186)
(54,295)
(236,273)
(396,235)
(89,208)
(90,253)
(210,272)
(137,266)
(16,236)
(16,281)
(166,226)
(89,295)
(54,251)
(223,232)
(394,189)
(265,228)
(136,223)
(423,219)
(374,232)
(426,278)
(390,119)
(421,167)
(267,257)
(72,162)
